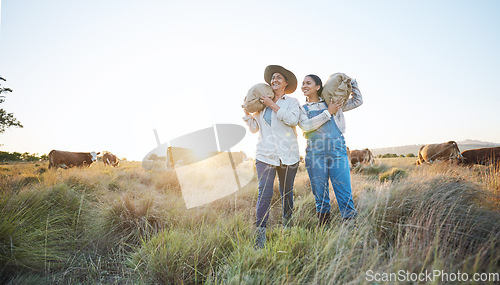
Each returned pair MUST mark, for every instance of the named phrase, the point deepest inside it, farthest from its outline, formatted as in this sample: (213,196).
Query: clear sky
(101,75)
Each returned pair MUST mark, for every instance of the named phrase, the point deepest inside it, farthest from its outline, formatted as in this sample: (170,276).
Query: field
(127,225)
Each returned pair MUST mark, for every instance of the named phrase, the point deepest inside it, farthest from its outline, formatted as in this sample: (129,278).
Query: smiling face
(278,83)
(310,88)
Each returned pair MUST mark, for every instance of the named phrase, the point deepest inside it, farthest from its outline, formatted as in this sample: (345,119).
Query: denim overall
(326,158)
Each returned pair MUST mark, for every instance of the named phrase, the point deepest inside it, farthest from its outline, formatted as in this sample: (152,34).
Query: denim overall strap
(328,130)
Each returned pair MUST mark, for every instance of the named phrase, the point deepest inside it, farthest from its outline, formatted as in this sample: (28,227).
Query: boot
(260,237)
(350,223)
(287,222)
(324,219)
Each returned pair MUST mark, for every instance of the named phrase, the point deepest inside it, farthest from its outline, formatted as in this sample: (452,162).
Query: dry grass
(128,225)
(403,162)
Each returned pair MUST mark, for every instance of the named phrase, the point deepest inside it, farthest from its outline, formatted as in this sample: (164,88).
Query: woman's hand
(266,101)
(333,108)
(270,103)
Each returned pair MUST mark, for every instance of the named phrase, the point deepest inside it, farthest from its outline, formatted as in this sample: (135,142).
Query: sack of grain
(337,87)
(252,101)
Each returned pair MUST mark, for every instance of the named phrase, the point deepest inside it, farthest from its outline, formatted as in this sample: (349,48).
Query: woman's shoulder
(291,101)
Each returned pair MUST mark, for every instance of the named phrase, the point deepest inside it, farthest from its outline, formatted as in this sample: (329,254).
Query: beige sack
(252,103)
(337,87)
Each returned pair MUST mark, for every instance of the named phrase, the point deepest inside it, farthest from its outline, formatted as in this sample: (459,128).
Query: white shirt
(278,141)
(309,125)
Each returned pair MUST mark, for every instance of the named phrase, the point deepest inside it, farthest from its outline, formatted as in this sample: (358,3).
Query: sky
(102,75)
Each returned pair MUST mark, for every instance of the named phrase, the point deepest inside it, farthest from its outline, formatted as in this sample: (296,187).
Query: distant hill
(462,145)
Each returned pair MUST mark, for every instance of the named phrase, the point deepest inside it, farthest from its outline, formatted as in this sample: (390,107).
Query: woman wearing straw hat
(326,156)
(277,148)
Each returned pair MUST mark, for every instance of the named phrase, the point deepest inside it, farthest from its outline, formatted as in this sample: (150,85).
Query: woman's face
(309,86)
(278,82)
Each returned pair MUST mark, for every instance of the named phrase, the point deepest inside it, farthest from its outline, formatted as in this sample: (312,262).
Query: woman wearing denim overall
(277,149)
(326,155)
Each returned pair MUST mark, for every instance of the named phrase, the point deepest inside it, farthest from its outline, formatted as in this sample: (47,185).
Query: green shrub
(392,174)
(366,169)
(388,155)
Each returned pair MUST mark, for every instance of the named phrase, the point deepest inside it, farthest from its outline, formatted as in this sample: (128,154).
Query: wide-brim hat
(290,77)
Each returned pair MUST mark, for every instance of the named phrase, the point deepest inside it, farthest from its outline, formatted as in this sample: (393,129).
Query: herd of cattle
(449,152)
(67,159)
(426,154)
(430,153)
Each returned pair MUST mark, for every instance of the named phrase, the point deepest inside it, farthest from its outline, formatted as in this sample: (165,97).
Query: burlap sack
(337,87)
(252,103)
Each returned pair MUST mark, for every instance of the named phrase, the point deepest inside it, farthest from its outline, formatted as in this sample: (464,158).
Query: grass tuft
(392,174)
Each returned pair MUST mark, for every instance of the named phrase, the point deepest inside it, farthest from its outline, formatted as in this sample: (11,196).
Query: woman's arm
(252,123)
(290,115)
(356,99)
(312,124)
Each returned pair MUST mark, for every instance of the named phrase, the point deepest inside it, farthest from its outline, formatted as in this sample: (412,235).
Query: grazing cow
(484,156)
(361,156)
(441,151)
(110,159)
(68,159)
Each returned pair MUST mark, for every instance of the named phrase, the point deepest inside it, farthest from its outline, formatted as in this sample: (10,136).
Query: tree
(7,120)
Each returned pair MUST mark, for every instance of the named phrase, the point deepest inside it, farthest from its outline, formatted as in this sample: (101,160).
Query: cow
(442,151)
(484,156)
(69,159)
(361,156)
(110,159)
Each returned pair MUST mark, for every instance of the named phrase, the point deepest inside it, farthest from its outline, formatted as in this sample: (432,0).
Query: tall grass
(127,225)
(39,229)
(179,256)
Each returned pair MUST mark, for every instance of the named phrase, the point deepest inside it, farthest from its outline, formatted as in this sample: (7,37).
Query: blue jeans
(326,159)
(266,174)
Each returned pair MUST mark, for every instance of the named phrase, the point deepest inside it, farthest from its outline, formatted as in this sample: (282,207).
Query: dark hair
(317,80)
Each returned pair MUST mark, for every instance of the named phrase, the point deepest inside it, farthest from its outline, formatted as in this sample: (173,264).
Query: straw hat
(290,77)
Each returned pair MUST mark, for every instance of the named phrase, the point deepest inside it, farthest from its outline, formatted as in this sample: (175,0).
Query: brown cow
(68,159)
(110,159)
(484,156)
(441,151)
(361,156)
